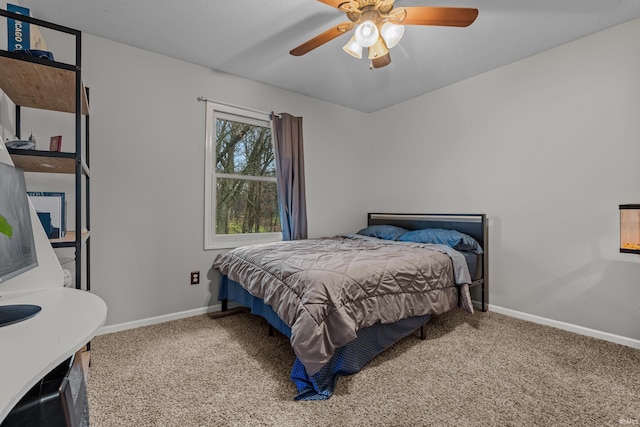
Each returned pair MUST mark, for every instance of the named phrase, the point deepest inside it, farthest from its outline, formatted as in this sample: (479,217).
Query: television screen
(17,247)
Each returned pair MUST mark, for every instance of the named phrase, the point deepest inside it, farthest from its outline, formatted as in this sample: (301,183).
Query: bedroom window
(241,198)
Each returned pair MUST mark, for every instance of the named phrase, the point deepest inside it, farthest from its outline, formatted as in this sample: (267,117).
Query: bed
(342,300)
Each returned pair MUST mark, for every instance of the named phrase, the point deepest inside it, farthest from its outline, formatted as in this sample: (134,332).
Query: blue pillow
(453,238)
(386,232)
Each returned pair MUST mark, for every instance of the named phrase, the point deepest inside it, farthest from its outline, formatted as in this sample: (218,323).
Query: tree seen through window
(246,192)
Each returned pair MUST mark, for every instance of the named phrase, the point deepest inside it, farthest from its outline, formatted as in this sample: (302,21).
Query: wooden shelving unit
(46,161)
(69,239)
(32,82)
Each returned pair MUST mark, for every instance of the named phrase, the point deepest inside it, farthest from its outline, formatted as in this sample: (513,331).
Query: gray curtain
(290,176)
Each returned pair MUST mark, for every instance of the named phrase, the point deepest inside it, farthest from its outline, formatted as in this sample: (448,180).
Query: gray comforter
(327,289)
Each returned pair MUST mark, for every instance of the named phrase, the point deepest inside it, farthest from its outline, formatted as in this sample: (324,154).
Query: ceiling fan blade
(334,3)
(444,16)
(321,39)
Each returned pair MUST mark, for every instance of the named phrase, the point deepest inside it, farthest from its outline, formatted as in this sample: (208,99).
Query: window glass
(241,200)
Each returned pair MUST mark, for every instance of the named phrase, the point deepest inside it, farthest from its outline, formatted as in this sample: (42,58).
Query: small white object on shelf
(21,144)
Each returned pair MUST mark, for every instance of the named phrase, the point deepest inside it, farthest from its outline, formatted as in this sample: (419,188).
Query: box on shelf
(55,144)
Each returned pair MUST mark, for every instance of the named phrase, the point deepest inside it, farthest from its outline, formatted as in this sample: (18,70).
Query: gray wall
(148,174)
(548,147)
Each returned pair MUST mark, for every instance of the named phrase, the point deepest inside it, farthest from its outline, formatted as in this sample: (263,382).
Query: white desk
(30,349)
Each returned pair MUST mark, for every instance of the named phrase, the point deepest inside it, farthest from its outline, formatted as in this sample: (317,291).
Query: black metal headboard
(471,224)
(475,225)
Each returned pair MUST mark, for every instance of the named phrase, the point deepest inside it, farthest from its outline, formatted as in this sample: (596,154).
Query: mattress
(474,262)
(327,289)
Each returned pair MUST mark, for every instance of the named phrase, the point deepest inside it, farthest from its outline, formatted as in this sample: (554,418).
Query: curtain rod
(204,99)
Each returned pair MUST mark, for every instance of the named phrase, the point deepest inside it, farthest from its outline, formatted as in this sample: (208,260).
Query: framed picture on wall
(50,207)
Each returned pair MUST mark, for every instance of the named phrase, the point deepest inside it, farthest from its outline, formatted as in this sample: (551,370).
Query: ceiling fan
(379,26)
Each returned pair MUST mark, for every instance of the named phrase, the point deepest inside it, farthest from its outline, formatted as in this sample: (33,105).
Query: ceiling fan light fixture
(353,48)
(367,34)
(391,33)
(378,49)
(378,26)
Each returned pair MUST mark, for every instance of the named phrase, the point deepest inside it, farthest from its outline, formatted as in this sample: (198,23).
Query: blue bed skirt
(346,360)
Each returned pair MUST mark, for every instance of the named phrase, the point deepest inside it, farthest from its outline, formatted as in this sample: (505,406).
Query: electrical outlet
(195,277)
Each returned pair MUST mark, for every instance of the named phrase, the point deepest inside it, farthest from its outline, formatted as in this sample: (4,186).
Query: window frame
(228,241)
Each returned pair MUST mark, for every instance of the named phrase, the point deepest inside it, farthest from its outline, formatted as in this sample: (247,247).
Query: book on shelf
(55,144)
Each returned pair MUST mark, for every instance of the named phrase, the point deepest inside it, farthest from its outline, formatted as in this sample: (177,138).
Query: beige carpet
(472,370)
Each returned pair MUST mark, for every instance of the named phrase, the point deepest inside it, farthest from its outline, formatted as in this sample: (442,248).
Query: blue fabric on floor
(346,360)
(351,357)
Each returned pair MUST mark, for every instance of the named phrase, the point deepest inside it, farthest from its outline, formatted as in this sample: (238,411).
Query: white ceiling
(252,39)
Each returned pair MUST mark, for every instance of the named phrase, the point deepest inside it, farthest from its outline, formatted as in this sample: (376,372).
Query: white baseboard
(158,319)
(629,342)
